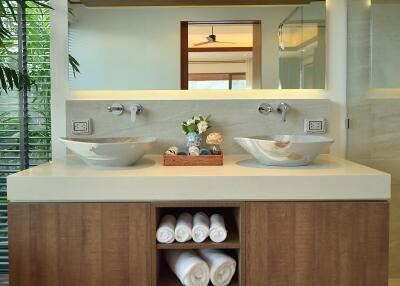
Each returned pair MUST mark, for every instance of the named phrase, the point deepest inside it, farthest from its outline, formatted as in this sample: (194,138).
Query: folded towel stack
(183,229)
(196,269)
(166,229)
(199,228)
(218,232)
(188,267)
(222,267)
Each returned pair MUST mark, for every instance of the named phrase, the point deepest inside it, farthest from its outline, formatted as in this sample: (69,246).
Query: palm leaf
(11,77)
(74,65)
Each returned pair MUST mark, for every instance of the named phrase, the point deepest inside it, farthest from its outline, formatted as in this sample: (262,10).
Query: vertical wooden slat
(70,243)
(184,55)
(91,256)
(44,245)
(19,245)
(139,240)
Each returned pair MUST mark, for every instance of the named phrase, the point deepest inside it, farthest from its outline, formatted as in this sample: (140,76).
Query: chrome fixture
(135,110)
(283,109)
(118,109)
(265,108)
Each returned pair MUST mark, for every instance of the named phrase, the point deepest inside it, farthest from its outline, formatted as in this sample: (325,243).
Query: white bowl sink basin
(116,152)
(285,150)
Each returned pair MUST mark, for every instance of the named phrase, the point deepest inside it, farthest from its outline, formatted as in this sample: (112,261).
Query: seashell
(204,152)
(194,151)
(214,139)
(173,150)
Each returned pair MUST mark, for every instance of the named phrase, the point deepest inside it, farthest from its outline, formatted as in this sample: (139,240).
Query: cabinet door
(79,244)
(317,244)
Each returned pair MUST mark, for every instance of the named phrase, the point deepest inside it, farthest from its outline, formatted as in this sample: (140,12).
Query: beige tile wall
(162,119)
(374,136)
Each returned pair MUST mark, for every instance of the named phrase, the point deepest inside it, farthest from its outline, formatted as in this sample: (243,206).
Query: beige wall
(374,136)
(162,119)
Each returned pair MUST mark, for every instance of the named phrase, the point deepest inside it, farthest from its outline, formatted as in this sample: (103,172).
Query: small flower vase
(193,139)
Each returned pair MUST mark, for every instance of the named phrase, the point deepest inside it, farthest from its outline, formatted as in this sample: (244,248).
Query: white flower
(190,122)
(197,118)
(202,126)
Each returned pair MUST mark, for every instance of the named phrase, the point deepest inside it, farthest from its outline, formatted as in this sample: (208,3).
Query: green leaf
(3,80)
(9,77)
(74,65)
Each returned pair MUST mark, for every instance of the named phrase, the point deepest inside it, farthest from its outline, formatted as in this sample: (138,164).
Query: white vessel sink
(285,150)
(117,152)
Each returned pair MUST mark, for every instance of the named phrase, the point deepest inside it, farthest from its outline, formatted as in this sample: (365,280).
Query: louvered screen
(25,139)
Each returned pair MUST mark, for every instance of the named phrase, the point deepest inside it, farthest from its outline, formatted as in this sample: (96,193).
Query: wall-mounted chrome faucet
(118,109)
(265,108)
(282,108)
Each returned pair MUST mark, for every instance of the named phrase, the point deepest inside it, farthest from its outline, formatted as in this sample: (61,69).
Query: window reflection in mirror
(302,54)
(136,48)
(221,55)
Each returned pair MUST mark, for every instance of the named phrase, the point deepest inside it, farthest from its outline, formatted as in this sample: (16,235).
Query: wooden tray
(202,160)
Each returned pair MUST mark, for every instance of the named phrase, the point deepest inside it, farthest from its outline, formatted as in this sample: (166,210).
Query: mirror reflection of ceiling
(218,56)
(228,35)
(294,36)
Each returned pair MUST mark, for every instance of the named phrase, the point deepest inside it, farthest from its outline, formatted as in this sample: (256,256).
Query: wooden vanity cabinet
(317,244)
(276,243)
(80,244)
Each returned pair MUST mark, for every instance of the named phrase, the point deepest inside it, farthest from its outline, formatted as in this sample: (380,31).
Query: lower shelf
(169,279)
(232,242)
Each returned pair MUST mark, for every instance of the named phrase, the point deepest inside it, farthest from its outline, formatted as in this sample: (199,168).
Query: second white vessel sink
(115,152)
(285,150)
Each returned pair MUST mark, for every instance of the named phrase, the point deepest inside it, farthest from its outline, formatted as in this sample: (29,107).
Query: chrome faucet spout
(283,109)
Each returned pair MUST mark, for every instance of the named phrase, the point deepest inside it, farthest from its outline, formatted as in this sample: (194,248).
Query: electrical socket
(82,127)
(315,125)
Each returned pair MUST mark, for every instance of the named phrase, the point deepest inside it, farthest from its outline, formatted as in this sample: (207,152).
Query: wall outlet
(315,125)
(82,127)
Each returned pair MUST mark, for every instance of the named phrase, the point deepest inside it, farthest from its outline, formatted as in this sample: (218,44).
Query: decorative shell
(173,150)
(214,139)
(194,151)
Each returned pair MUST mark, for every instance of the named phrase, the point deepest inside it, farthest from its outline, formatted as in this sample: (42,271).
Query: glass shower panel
(302,48)
(373,98)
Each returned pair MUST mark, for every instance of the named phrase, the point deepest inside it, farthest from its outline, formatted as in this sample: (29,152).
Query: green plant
(10,74)
(197,124)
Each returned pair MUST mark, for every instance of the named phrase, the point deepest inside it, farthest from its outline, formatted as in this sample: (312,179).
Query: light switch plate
(82,127)
(315,125)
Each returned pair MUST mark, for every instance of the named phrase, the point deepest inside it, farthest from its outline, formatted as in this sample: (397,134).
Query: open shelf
(233,213)
(167,277)
(232,242)
(170,280)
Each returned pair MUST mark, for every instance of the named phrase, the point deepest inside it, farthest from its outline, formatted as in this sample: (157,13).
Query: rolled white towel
(218,232)
(166,229)
(183,228)
(222,267)
(188,267)
(201,227)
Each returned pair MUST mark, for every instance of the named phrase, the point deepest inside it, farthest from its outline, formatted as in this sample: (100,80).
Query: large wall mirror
(207,47)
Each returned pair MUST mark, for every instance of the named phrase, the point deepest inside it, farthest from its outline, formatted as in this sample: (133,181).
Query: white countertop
(241,178)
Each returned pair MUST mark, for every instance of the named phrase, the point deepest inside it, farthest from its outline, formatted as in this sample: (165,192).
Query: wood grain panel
(184,55)
(79,244)
(97,3)
(321,244)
